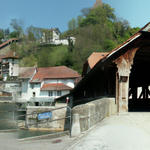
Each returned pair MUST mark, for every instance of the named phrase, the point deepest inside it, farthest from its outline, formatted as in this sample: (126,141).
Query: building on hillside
(43,85)
(9,65)
(52,36)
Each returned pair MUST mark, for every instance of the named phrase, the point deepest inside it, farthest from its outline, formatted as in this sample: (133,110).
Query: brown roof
(95,57)
(59,72)
(55,86)
(92,60)
(10,54)
(1,56)
(8,42)
(26,72)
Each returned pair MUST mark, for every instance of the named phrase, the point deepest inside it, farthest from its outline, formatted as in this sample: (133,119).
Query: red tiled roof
(95,57)
(10,54)
(1,56)
(92,60)
(7,42)
(55,86)
(59,72)
(26,72)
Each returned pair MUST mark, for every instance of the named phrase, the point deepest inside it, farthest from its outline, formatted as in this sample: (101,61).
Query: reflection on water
(7,116)
(7,121)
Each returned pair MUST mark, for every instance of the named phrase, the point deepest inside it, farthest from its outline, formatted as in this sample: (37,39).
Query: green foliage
(14,34)
(72,24)
(44,56)
(1,35)
(29,61)
(17,25)
(34,32)
(99,15)
(96,30)
(109,45)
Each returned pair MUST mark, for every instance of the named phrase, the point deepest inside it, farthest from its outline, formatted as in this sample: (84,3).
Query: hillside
(97,29)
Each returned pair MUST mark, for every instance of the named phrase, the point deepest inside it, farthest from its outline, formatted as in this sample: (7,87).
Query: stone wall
(6,98)
(87,115)
(32,121)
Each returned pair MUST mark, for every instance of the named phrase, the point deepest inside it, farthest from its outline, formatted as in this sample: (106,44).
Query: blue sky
(57,13)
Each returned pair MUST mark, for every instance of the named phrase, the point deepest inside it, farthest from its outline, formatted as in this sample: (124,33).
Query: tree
(99,15)
(35,31)
(85,11)
(72,24)
(14,34)
(1,35)
(6,34)
(71,44)
(17,25)
(79,20)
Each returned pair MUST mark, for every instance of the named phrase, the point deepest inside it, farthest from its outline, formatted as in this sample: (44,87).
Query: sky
(57,13)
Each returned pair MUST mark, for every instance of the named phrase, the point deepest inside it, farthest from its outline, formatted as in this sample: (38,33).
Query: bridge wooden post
(122,82)
(124,64)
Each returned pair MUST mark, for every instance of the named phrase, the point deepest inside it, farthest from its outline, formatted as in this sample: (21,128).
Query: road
(121,132)
(9,142)
(124,132)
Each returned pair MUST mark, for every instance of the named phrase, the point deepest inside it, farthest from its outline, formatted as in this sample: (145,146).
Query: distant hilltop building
(52,36)
(98,3)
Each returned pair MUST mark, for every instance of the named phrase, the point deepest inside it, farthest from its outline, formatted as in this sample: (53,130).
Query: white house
(25,75)
(53,37)
(46,84)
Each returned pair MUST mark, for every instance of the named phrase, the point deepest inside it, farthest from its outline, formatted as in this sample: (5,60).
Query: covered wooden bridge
(123,73)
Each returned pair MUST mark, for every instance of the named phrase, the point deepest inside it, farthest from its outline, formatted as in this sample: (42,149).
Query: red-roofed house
(46,84)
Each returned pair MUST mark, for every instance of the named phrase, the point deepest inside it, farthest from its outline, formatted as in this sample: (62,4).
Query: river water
(7,121)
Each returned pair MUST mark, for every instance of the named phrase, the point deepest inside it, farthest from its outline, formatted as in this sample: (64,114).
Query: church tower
(98,3)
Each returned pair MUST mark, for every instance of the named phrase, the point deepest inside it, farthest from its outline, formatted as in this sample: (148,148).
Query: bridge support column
(124,64)
(122,93)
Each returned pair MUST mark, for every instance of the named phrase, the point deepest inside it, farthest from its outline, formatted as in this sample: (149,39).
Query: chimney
(98,3)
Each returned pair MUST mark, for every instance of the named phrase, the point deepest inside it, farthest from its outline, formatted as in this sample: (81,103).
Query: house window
(12,61)
(32,86)
(50,93)
(58,93)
